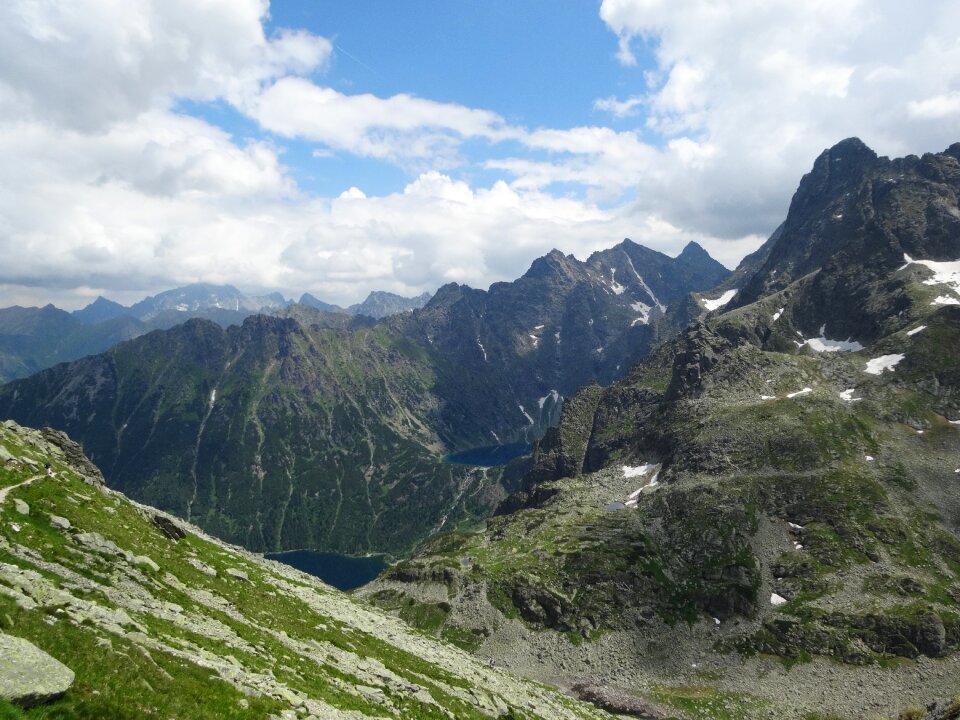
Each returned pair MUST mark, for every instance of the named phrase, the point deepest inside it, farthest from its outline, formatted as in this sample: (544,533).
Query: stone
(168,527)
(28,675)
(202,567)
(144,561)
(60,523)
(97,543)
(238,574)
(21,507)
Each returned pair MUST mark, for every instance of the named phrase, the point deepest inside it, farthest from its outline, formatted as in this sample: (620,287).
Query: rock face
(316,430)
(28,675)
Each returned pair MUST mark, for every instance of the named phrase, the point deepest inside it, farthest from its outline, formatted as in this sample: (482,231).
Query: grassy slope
(179,642)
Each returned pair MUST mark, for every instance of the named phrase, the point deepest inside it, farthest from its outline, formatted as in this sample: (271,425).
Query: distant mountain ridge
(32,339)
(377,305)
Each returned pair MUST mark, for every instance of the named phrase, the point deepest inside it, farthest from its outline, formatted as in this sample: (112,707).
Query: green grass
(262,623)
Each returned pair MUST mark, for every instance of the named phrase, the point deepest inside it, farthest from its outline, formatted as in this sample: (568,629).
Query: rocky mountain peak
(693,250)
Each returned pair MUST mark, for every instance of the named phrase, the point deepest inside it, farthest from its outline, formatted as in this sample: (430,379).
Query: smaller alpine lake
(490,455)
(344,572)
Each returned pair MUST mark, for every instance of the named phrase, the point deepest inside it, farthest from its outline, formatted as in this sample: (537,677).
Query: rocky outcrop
(74,455)
(28,675)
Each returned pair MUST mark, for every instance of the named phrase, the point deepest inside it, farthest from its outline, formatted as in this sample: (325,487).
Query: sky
(341,146)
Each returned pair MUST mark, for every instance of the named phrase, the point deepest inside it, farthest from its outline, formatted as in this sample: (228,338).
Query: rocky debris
(202,567)
(145,562)
(60,523)
(238,574)
(97,543)
(28,675)
(21,507)
(168,527)
(617,702)
(948,710)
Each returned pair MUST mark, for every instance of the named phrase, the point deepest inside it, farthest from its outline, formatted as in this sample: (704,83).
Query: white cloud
(619,108)
(765,85)
(398,127)
(106,186)
(936,107)
(86,63)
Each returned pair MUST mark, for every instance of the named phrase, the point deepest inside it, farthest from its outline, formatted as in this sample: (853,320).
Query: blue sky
(341,147)
(534,63)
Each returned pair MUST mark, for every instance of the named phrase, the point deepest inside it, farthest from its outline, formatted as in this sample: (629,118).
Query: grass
(270,625)
(707,703)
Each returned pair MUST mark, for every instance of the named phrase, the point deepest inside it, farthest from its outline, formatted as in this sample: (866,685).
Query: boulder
(21,507)
(60,523)
(168,527)
(28,675)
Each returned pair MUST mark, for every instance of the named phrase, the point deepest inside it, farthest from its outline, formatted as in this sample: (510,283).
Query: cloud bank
(110,185)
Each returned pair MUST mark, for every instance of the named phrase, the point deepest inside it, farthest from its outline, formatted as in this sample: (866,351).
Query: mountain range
(766,509)
(32,339)
(742,498)
(314,429)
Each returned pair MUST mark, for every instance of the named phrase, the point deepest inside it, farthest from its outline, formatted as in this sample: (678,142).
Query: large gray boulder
(28,676)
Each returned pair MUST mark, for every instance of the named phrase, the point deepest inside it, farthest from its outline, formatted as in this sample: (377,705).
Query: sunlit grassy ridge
(193,628)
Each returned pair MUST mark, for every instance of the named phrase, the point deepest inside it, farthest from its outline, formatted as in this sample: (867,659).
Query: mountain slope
(777,485)
(506,357)
(151,617)
(269,434)
(32,339)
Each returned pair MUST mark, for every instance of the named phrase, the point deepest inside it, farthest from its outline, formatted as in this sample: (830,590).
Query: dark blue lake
(344,572)
(491,455)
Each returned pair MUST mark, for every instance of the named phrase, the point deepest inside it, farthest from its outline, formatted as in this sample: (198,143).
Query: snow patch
(916,330)
(643,310)
(213,397)
(614,285)
(822,344)
(945,300)
(847,395)
(884,362)
(777,314)
(536,340)
(637,471)
(539,327)
(777,599)
(799,392)
(646,288)
(482,349)
(552,394)
(944,273)
(795,526)
(651,484)
(496,437)
(868,458)
(718,302)
(525,414)
(768,397)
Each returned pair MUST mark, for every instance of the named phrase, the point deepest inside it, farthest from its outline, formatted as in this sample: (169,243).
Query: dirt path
(6,491)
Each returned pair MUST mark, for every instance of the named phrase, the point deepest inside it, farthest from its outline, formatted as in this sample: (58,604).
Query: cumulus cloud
(108,187)
(394,128)
(87,63)
(743,95)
